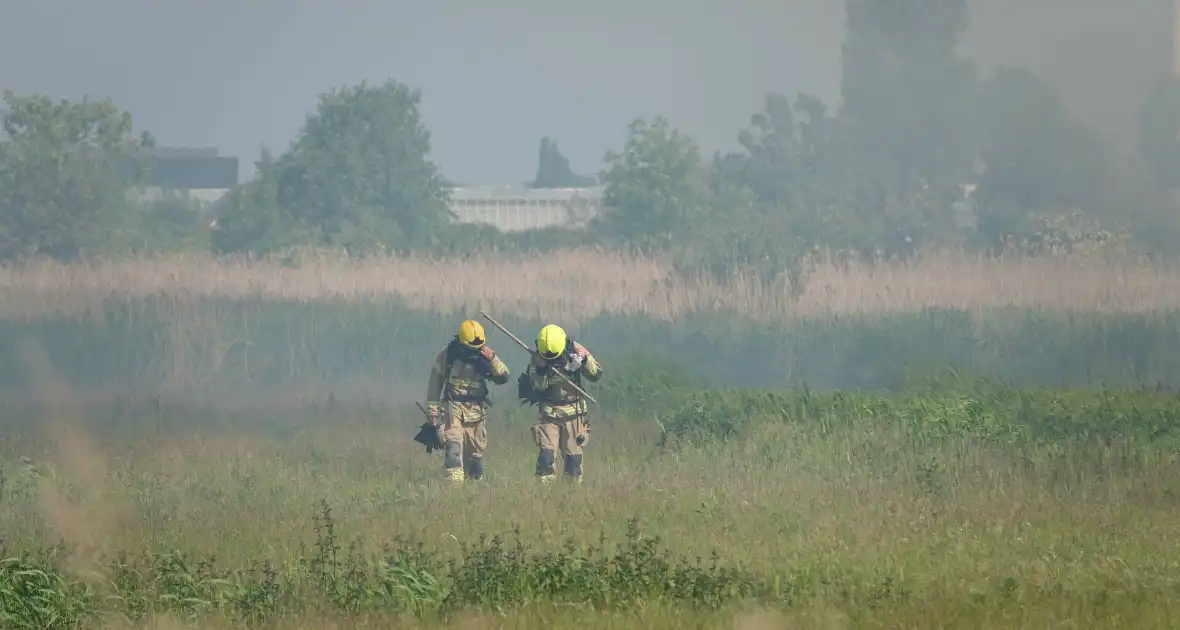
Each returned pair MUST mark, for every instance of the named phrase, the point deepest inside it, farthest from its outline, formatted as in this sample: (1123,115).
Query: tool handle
(531,351)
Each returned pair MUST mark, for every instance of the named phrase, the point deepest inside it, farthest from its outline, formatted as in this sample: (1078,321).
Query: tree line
(884,175)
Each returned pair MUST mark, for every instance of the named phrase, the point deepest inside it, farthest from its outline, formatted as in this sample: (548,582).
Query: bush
(492,574)
(979,411)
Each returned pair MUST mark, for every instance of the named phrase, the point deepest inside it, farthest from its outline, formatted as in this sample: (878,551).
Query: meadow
(948,443)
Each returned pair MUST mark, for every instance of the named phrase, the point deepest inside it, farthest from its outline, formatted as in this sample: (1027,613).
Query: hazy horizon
(494,81)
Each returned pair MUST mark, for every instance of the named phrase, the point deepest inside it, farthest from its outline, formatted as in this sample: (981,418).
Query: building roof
(179,152)
(524,193)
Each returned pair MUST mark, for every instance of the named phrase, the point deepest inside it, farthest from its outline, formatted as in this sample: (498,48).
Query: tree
(1037,159)
(655,187)
(791,158)
(359,176)
(908,95)
(772,152)
(249,218)
(770,201)
(553,169)
(791,181)
(64,171)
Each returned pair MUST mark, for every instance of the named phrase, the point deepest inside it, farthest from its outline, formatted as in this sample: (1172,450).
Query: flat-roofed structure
(198,173)
(182,168)
(520,208)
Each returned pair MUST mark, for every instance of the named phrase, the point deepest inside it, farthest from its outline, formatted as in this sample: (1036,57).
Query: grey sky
(236,74)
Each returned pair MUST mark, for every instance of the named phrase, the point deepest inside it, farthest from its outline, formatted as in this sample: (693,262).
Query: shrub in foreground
(981,411)
(41,590)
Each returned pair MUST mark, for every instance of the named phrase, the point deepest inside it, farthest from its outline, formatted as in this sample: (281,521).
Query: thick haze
(237,75)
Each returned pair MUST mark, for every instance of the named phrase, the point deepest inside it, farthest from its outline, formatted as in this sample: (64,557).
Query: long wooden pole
(531,351)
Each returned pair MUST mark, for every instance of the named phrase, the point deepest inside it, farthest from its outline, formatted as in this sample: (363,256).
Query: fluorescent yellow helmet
(551,341)
(471,334)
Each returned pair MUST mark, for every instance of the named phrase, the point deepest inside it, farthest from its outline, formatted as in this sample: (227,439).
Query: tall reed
(577,284)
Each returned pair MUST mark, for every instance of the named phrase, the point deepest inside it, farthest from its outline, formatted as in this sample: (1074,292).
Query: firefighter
(457,400)
(562,425)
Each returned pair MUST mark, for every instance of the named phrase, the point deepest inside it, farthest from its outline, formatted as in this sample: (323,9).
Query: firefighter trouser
(560,435)
(464,435)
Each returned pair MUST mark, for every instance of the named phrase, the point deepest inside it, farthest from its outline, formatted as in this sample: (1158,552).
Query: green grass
(952,504)
(174,462)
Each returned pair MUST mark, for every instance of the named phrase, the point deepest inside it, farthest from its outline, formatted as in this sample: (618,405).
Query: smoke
(1103,56)
(495,80)
(76,499)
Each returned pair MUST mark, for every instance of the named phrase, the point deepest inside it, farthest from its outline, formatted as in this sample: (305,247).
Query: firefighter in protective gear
(457,399)
(562,425)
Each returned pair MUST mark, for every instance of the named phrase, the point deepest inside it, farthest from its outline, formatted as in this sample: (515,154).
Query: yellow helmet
(551,341)
(471,334)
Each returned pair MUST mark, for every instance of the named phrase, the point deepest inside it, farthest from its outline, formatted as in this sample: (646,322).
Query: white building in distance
(520,208)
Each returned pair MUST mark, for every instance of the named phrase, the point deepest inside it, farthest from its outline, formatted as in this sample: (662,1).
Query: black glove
(483,360)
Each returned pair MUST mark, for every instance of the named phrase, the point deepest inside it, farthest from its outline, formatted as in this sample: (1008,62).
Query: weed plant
(212,444)
(958,503)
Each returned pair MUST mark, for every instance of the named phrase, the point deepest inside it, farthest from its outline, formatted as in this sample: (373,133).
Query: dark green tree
(772,159)
(553,169)
(908,98)
(1038,160)
(655,187)
(250,219)
(65,168)
(359,176)
(791,158)
(768,200)
(167,224)
(789,182)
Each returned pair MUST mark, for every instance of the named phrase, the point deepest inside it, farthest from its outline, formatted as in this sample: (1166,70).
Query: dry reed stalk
(581,283)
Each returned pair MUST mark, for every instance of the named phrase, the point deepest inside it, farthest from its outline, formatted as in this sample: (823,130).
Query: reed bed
(577,284)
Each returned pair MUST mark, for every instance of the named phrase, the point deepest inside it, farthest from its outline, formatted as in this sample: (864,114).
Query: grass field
(963,507)
(180,448)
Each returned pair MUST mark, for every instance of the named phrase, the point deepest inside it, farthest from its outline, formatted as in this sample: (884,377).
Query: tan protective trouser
(561,435)
(465,423)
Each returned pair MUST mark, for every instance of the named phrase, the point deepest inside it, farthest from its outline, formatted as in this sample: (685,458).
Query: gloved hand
(487,354)
(433,411)
(574,362)
(583,438)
